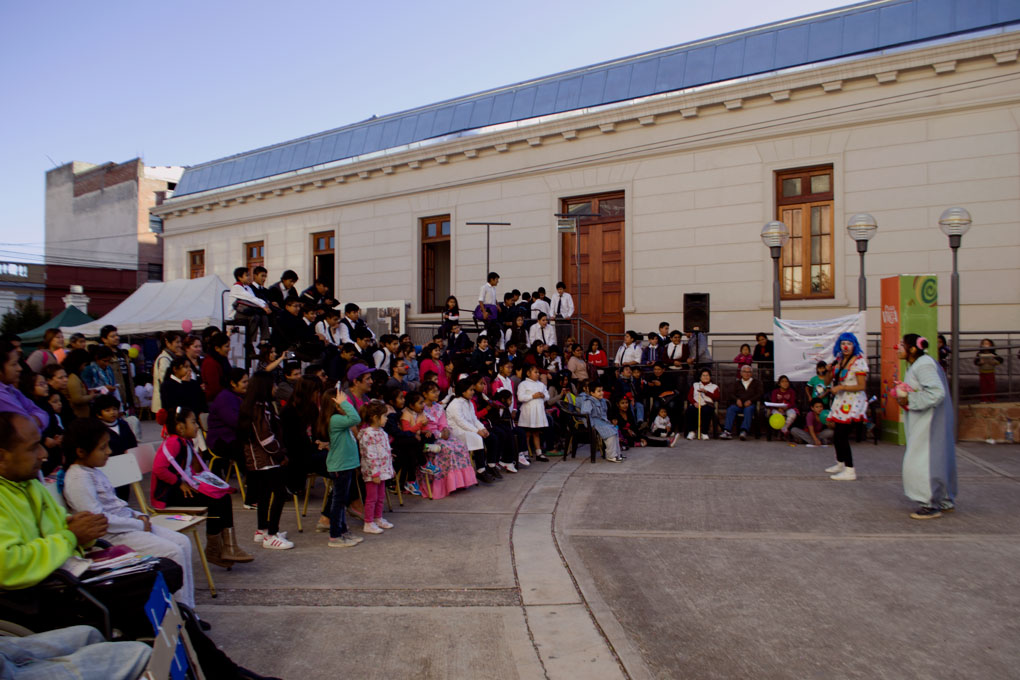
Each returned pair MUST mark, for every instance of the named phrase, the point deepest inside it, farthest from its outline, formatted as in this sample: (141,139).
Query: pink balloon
(186,325)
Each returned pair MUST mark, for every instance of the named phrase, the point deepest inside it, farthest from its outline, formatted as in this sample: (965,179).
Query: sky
(191,81)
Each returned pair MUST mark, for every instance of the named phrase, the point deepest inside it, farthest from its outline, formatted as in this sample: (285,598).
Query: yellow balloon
(133,352)
(776,420)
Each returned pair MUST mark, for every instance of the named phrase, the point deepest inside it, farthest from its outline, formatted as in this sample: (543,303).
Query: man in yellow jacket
(36,535)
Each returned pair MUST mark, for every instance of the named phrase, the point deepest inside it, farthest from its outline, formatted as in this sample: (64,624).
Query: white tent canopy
(163,306)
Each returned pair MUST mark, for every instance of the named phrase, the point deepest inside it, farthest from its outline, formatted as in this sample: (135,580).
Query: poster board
(800,345)
(909,305)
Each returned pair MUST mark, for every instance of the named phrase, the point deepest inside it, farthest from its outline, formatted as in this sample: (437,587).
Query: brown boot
(231,550)
(214,551)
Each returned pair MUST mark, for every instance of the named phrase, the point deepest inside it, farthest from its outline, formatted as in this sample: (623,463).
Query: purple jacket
(223,413)
(13,401)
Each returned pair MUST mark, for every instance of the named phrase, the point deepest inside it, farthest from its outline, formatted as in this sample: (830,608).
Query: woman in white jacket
(465,426)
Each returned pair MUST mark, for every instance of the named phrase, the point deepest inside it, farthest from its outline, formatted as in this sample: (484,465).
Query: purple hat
(356,371)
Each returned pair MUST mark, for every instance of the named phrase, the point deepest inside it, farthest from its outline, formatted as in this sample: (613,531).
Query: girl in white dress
(532,395)
(465,426)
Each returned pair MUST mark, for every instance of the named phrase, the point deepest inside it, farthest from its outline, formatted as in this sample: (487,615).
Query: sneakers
(705,436)
(277,542)
(838,467)
(351,537)
(925,512)
(321,526)
(484,477)
(345,541)
(726,435)
(261,535)
(371,528)
(690,435)
(743,435)
(433,448)
(251,506)
(522,459)
(384,523)
(411,488)
(509,467)
(847,475)
(431,469)
(614,460)
(496,474)
(674,440)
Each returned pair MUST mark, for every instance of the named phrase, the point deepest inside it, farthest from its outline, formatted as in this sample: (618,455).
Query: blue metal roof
(856,29)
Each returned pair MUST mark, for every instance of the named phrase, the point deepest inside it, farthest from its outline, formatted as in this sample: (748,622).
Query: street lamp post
(775,235)
(862,228)
(954,223)
(487,226)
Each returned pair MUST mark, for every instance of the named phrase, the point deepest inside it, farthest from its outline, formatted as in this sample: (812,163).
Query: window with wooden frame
(435,258)
(254,254)
(196,264)
(804,203)
(324,257)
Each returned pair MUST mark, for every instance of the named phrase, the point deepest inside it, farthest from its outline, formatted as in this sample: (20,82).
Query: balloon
(776,421)
(133,352)
(825,416)
(186,325)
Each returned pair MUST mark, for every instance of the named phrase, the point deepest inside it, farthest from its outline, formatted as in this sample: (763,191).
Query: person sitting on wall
(318,294)
(654,352)
(352,321)
(249,309)
(291,332)
(279,293)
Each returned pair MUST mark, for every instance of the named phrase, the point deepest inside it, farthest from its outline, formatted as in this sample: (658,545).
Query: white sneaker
(384,523)
(613,460)
(704,436)
(433,448)
(522,459)
(838,467)
(847,475)
(277,542)
(508,467)
(674,440)
(371,528)
(690,435)
(260,536)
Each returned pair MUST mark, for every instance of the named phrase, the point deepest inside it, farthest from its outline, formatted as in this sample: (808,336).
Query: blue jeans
(338,502)
(731,417)
(78,653)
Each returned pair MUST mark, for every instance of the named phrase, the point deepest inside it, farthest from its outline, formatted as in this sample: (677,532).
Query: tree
(25,316)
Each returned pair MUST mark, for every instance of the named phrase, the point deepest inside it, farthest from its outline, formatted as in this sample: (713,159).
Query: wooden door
(601,291)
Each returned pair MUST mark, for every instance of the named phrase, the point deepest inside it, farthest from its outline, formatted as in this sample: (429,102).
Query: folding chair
(129,469)
(232,467)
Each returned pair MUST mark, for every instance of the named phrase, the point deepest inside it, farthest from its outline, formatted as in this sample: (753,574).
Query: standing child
(468,429)
(744,358)
(507,435)
(451,316)
(987,361)
(532,394)
(376,465)
(336,418)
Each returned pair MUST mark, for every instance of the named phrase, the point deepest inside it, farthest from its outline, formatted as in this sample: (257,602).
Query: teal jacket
(34,538)
(343,447)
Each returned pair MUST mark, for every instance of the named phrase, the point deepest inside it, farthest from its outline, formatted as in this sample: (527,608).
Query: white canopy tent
(163,306)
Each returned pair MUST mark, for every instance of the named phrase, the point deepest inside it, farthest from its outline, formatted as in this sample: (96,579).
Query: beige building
(682,179)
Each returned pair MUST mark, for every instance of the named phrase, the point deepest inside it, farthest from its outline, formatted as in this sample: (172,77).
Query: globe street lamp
(954,223)
(775,235)
(862,228)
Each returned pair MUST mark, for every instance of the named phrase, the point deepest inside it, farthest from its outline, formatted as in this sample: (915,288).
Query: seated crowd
(324,396)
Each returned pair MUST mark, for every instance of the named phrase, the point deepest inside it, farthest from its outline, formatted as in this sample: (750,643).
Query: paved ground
(712,560)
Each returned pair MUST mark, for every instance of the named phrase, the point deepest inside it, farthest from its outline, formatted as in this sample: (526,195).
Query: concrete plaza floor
(711,560)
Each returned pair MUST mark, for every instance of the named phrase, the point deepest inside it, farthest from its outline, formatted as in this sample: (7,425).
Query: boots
(231,550)
(214,551)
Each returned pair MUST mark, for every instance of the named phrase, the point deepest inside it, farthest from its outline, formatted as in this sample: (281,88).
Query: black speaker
(696,312)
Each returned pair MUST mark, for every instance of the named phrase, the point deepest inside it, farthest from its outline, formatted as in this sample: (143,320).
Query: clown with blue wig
(850,401)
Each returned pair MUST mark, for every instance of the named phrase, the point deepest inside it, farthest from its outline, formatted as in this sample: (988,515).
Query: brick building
(99,233)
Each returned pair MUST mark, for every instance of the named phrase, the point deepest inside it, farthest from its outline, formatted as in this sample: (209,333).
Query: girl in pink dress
(453,468)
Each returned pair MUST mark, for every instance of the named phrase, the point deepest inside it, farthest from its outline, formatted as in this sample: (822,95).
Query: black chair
(33,609)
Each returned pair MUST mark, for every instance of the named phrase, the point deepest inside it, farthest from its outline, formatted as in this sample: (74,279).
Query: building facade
(20,282)
(681,179)
(99,231)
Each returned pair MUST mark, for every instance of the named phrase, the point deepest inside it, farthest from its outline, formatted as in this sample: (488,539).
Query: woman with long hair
(517,333)
(849,403)
(298,418)
(258,428)
(432,361)
(929,462)
(51,351)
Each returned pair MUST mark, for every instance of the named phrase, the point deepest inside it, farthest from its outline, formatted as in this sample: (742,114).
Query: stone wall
(981,422)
